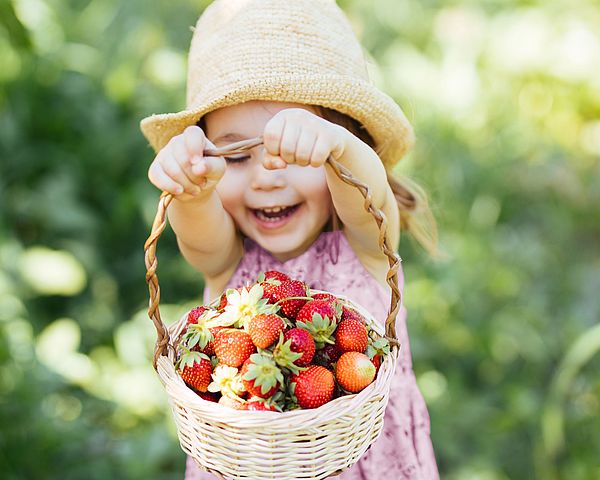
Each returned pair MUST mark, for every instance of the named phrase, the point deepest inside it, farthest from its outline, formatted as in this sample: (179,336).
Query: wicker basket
(256,445)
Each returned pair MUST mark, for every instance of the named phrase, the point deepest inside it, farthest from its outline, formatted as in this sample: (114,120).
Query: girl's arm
(206,233)
(299,136)
(360,226)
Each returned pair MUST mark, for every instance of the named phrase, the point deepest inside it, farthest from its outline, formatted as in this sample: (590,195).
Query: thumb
(196,141)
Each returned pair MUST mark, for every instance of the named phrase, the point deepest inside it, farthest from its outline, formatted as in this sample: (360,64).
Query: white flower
(227,381)
(243,305)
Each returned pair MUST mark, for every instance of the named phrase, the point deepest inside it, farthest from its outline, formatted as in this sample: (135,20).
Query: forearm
(365,166)
(205,232)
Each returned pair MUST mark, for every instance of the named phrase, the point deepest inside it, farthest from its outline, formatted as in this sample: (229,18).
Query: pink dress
(403,450)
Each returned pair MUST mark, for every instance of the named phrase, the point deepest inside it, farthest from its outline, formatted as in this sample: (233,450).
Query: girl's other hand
(296,135)
(181,168)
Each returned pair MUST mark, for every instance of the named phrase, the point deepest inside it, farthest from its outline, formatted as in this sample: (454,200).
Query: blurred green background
(505,99)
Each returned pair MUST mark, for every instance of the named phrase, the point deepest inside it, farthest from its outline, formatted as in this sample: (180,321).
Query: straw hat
(301,51)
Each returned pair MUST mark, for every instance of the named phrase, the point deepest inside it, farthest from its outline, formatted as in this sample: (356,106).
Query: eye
(237,159)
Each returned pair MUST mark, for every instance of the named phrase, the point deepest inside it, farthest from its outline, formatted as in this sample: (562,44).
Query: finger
(289,140)
(212,168)
(183,158)
(321,151)
(161,180)
(304,147)
(179,151)
(273,133)
(174,170)
(272,162)
(194,140)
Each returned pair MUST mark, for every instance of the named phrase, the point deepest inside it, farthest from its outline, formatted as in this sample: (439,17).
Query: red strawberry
(327,356)
(209,396)
(325,296)
(194,314)
(195,370)
(209,349)
(273,275)
(269,281)
(199,337)
(233,347)
(313,387)
(354,371)
(260,376)
(264,329)
(350,313)
(223,298)
(352,336)
(222,302)
(377,350)
(319,317)
(257,405)
(302,342)
(376,360)
(292,288)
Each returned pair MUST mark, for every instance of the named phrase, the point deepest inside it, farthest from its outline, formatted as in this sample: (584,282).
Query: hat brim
(377,112)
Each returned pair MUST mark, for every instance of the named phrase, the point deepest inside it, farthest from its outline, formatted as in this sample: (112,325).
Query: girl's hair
(415,215)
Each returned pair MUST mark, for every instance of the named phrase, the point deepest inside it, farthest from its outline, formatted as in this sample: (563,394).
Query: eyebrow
(230,137)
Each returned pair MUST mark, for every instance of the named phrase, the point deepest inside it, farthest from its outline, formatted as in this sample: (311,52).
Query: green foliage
(504,99)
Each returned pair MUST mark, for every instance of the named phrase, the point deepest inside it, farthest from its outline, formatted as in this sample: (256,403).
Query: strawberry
(348,313)
(352,336)
(327,356)
(325,296)
(194,314)
(273,275)
(269,281)
(261,377)
(199,335)
(376,360)
(233,346)
(257,405)
(222,302)
(195,370)
(210,347)
(377,350)
(284,356)
(264,329)
(313,387)
(208,396)
(301,342)
(292,288)
(319,317)
(243,304)
(354,371)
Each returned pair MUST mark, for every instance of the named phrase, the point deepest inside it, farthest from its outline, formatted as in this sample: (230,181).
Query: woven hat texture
(301,51)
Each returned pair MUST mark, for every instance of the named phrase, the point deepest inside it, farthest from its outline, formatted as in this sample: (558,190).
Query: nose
(264,179)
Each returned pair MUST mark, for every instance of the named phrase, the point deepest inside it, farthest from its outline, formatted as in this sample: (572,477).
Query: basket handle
(342,172)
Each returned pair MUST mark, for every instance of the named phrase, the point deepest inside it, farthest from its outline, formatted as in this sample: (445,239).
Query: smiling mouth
(274,214)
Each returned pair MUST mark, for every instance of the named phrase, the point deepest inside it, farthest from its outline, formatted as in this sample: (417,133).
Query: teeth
(273,210)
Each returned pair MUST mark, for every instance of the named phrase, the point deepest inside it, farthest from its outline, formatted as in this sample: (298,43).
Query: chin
(282,248)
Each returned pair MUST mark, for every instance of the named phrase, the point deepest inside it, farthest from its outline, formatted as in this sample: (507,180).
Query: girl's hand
(181,169)
(298,136)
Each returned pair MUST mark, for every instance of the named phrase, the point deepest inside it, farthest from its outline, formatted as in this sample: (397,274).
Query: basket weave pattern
(300,444)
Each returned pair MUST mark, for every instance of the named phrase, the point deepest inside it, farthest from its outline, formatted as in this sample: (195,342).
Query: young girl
(293,73)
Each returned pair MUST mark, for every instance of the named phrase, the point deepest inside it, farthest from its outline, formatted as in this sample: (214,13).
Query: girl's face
(282,210)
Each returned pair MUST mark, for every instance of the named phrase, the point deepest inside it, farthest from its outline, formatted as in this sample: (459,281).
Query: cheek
(313,185)
(230,190)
